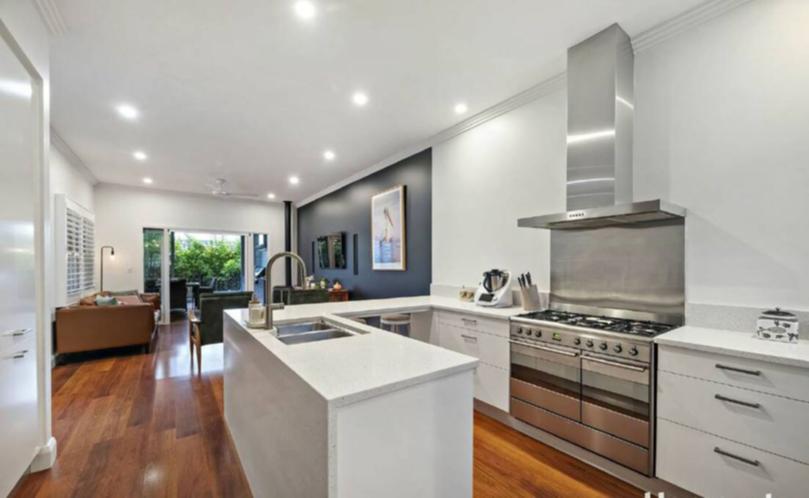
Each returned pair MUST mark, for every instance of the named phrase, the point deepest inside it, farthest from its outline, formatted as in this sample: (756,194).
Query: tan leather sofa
(89,327)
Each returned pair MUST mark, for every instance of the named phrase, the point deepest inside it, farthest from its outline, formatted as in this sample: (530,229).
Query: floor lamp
(112,255)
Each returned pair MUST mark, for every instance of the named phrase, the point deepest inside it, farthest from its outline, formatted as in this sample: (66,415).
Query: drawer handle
(469,321)
(720,451)
(17,333)
(18,355)
(736,401)
(738,370)
(469,337)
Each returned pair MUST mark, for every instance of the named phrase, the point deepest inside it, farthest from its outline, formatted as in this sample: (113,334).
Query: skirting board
(650,484)
(45,457)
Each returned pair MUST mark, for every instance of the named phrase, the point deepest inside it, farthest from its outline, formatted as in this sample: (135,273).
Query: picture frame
(389,230)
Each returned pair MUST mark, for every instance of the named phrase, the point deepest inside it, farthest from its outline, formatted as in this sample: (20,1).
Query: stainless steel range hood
(600,111)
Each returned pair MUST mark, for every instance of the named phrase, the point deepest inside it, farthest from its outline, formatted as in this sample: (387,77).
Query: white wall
(123,212)
(67,178)
(484,179)
(722,114)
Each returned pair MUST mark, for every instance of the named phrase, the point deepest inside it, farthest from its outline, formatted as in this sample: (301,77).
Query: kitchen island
(371,414)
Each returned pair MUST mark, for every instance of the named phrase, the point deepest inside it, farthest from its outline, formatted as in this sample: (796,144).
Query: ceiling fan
(218,189)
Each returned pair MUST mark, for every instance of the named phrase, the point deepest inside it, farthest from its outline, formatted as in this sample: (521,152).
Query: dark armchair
(178,294)
(206,323)
(204,289)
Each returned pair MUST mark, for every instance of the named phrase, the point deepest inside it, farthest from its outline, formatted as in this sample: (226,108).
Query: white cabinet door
(18,373)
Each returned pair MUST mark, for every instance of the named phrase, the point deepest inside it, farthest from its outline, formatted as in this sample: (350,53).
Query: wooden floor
(146,425)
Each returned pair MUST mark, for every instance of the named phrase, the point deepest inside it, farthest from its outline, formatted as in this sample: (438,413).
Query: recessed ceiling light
(305,9)
(359,99)
(127,111)
(294,180)
(270,196)
(140,155)
(147,180)
(461,108)
(329,155)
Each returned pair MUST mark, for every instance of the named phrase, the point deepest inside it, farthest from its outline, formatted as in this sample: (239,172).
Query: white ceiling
(245,90)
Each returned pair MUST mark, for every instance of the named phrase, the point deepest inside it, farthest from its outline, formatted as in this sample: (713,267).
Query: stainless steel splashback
(629,271)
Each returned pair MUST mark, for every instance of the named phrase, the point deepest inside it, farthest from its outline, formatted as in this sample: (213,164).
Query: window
(80,253)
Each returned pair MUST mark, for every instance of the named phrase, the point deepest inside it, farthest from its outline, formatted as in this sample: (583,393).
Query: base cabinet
(487,340)
(730,426)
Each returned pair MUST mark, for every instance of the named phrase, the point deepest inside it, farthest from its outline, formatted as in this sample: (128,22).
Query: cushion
(88,300)
(106,301)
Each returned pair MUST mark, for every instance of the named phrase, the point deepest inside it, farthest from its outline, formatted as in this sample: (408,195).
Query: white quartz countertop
(741,344)
(372,362)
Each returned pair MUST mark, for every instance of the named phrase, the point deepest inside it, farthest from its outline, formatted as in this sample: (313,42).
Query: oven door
(616,397)
(547,376)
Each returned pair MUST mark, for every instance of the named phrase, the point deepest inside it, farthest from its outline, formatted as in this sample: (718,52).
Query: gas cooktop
(617,325)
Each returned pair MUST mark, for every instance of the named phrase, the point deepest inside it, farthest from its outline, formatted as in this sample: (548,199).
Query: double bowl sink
(299,333)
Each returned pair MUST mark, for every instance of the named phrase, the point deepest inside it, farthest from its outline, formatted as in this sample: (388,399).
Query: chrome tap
(268,284)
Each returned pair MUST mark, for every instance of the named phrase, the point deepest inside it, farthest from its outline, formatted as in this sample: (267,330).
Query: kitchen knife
(528,279)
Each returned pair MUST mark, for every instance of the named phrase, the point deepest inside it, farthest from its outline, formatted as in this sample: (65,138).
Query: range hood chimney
(600,96)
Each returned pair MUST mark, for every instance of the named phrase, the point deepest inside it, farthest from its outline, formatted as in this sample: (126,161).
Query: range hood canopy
(600,96)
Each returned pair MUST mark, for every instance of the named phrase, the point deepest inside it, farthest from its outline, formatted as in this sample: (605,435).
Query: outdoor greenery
(200,262)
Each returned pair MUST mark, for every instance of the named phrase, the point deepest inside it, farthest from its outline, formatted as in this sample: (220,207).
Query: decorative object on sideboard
(495,289)
(777,325)
(388,230)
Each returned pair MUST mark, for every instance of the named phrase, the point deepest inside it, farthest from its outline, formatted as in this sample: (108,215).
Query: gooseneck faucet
(268,283)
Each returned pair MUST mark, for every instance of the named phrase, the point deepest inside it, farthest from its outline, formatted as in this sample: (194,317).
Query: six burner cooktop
(633,327)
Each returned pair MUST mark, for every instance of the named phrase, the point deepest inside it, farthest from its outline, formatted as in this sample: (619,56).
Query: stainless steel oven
(591,388)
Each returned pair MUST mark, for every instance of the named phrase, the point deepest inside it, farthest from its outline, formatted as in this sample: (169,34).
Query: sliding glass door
(212,260)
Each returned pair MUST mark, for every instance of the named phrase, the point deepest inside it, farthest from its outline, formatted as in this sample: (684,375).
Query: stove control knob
(529,332)
(519,330)
(577,341)
(589,344)
(617,348)
(633,351)
(603,346)
(538,333)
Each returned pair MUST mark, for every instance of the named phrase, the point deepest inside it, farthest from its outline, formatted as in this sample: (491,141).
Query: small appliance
(777,325)
(495,289)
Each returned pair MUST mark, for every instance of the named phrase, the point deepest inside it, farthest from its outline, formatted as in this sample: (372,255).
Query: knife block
(530,298)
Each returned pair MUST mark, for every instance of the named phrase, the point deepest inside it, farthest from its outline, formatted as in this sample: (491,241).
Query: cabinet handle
(470,321)
(720,451)
(738,370)
(17,332)
(469,337)
(736,401)
(18,355)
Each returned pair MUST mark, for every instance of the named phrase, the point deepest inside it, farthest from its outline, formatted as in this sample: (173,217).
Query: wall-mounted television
(331,250)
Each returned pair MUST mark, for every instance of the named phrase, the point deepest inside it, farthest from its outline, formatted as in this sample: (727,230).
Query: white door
(18,373)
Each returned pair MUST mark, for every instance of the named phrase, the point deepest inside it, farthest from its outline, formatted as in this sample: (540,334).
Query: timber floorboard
(130,424)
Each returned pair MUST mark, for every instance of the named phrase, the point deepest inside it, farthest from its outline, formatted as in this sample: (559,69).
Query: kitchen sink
(298,328)
(311,336)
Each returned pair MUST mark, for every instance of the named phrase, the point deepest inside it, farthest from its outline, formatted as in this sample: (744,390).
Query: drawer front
(768,422)
(491,386)
(485,347)
(473,322)
(772,378)
(711,466)
(13,339)
(553,401)
(615,449)
(18,411)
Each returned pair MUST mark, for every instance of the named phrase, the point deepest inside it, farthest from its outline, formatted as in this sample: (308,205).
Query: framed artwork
(388,229)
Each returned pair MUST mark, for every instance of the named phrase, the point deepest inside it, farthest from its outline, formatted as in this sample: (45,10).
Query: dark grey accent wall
(349,210)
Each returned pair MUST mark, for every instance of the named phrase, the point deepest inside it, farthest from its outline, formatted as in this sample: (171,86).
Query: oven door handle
(615,364)
(549,349)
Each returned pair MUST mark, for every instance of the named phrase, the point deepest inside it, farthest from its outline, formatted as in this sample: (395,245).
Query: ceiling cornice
(51,16)
(683,22)
(535,92)
(659,33)
(59,143)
